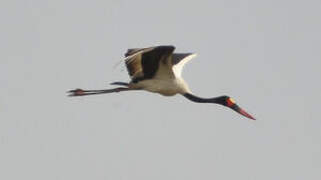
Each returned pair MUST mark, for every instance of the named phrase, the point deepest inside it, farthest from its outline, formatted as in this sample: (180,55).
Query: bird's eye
(230,102)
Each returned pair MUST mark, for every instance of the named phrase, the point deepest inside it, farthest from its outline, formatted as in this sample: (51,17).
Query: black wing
(134,50)
(143,63)
(178,57)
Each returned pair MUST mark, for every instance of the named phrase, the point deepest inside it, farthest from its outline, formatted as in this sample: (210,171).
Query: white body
(167,81)
(166,87)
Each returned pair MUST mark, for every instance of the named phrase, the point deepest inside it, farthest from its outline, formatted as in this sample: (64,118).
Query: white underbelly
(168,87)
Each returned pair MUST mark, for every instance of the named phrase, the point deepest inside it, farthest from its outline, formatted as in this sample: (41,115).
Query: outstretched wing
(179,60)
(143,63)
(135,50)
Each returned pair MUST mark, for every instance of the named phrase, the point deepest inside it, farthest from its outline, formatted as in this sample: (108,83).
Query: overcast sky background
(265,54)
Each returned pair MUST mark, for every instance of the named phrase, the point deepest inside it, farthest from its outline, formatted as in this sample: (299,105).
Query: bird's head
(229,102)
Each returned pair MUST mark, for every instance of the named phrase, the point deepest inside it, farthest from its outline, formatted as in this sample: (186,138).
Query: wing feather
(179,60)
(134,51)
(142,63)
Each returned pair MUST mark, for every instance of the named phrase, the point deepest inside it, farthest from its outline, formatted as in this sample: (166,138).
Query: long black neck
(216,100)
(222,100)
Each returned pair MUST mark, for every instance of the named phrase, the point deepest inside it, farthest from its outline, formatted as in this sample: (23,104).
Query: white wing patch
(177,68)
(164,70)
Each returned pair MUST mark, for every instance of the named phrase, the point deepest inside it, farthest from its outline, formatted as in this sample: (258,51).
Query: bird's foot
(76,92)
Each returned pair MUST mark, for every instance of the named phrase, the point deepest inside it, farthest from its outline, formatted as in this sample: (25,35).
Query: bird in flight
(158,69)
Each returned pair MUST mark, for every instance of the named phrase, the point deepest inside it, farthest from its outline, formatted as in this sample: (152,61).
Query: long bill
(242,111)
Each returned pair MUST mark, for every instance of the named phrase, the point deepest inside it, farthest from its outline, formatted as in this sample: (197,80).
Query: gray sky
(265,54)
